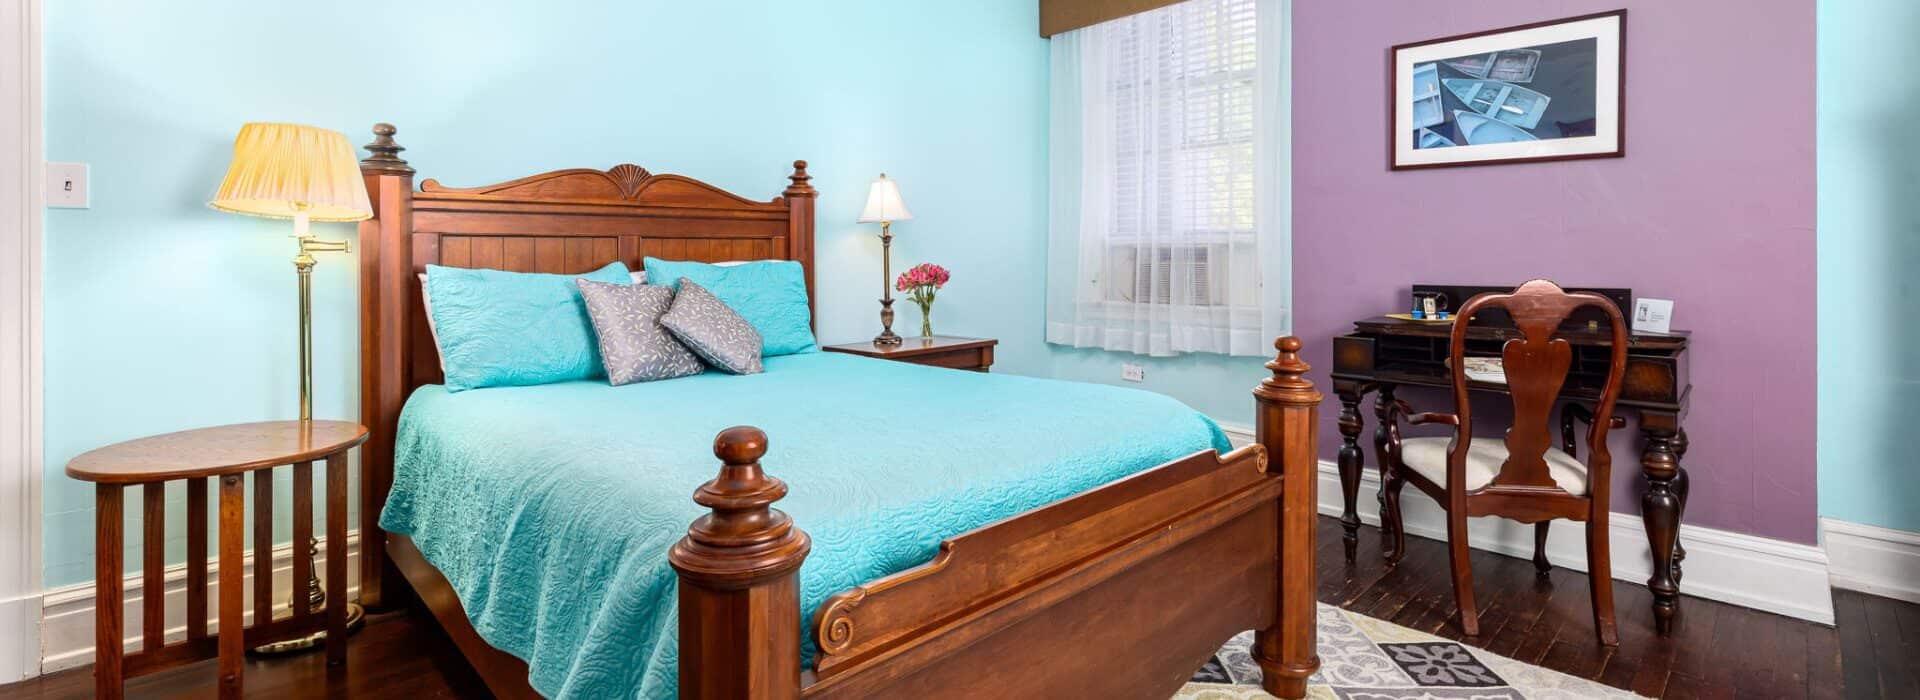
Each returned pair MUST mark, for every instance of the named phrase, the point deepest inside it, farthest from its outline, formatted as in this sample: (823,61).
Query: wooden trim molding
(21,173)
(1058,16)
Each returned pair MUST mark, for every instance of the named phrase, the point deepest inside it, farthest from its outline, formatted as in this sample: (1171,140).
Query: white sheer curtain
(1169,230)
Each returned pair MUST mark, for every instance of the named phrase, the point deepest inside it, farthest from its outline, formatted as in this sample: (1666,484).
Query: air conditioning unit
(1149,275)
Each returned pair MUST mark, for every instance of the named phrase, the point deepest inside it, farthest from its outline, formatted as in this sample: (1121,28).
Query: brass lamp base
(316,602)
(887,336)
(356,617)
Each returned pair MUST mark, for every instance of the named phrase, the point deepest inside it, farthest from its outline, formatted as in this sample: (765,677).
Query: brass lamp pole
(884,207)
(307,174)
(303,266)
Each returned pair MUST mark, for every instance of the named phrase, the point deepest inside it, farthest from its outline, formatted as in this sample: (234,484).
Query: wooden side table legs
(233,639)
(108,594)
(336,558)
(197,559)
(153,567)
(226,454)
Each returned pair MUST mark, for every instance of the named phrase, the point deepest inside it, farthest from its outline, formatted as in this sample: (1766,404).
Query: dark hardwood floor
(1716,651)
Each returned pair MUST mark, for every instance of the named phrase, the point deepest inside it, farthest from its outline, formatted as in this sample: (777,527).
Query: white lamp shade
(883,203)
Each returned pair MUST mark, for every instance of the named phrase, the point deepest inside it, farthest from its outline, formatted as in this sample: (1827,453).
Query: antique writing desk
(1383,354)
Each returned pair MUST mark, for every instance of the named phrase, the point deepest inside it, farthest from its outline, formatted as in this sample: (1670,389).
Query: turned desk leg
(1680,487)
(1352,460)
(1660,508)
(233,635)
(1381,432)
(108,678)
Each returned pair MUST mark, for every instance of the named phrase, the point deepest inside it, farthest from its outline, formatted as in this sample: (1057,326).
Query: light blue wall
(1220,386)
(1869,247)
(162,314)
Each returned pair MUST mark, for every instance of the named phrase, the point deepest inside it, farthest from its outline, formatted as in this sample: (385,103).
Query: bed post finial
(1287,424)
(800,188)
(1289,383)
(385,152)
(739,583)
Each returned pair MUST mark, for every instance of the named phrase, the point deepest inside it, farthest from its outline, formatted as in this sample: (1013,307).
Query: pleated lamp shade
(281,170)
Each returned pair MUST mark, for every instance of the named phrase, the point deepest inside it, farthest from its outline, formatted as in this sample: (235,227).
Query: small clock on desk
(938,351)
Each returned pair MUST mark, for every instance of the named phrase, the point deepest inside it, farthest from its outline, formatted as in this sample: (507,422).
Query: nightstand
(939,351)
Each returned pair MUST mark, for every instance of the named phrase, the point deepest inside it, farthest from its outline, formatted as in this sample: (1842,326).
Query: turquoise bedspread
(551,508)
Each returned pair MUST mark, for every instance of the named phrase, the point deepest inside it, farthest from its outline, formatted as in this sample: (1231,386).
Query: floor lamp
(306,174)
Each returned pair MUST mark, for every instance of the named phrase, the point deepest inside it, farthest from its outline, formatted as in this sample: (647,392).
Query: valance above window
(1058,16)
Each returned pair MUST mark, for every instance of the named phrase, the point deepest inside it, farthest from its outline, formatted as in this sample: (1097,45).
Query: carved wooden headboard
(565,221)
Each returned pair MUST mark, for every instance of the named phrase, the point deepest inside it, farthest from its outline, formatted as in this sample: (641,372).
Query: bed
(1028,538)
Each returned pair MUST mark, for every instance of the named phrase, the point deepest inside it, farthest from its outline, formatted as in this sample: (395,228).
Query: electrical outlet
(1132,372)
(67,185)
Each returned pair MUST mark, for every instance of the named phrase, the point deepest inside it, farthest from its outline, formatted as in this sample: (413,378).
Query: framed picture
(1550,90)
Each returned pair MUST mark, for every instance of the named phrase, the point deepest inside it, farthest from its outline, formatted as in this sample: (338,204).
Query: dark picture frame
(1449,107)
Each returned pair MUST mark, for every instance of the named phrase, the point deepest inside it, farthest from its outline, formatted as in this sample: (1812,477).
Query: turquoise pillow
(770,294)
(501,328)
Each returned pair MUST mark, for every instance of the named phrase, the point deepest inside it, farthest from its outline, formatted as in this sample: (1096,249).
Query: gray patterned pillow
(711,329)
(633,345)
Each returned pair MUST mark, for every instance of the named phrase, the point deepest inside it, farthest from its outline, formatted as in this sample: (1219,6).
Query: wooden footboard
(1119,592)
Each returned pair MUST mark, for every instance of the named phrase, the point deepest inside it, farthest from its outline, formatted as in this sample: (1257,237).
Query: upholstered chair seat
(1427,456)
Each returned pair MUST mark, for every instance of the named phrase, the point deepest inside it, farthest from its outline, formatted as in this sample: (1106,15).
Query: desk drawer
(976,359)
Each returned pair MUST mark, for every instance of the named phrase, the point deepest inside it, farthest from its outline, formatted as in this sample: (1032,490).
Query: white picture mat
(1606,94)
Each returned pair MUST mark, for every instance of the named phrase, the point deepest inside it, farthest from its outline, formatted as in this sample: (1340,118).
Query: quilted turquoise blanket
(551,508)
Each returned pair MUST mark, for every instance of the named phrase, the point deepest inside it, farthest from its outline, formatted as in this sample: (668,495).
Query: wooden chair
(1521,477)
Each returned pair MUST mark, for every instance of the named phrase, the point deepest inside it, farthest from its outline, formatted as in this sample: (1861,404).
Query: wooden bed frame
(1122,591)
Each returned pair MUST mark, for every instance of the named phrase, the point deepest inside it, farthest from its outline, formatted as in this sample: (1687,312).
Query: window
(1163,119)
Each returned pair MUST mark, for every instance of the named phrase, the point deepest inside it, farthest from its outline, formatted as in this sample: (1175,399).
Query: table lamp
(307,174)
(884,207)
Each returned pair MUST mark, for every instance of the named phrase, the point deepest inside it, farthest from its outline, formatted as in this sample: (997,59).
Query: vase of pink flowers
(920,284)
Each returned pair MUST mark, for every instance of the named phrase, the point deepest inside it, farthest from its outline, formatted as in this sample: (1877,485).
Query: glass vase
(926,320)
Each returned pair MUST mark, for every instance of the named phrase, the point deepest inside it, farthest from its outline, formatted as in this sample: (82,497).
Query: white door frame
(21,172)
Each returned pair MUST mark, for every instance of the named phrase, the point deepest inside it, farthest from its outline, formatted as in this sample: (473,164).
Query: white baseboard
(19,653)
(1877,560)
(66,632)
(1775,576)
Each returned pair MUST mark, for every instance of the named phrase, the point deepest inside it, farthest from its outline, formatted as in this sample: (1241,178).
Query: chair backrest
(1536,365)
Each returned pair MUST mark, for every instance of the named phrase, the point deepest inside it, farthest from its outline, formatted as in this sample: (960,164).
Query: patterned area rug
(1362,658)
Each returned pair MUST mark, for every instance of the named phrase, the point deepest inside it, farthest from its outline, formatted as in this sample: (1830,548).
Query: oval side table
(226,453)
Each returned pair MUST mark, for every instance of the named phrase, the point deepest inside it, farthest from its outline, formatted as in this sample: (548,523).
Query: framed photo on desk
(1551,90)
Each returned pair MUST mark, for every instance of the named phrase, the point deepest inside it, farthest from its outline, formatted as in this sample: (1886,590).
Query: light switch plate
(67,185)
(1132,372)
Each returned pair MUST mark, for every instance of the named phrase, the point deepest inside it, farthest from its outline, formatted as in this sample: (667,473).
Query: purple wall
(1712,207)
